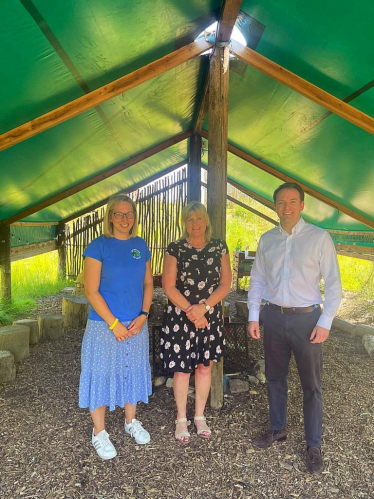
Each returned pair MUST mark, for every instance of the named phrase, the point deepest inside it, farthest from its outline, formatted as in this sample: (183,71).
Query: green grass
(357,275)
(32,278)
(245,228)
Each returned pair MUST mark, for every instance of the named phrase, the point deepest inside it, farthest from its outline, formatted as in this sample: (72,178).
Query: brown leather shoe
(268,438)
(314,461)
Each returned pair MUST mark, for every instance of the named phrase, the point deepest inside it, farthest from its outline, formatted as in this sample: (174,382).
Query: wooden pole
(217,155)
(61,247)
(194,170)
(5,263)
(217,173)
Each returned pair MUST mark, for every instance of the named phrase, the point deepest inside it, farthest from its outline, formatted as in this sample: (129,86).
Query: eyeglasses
(120,216)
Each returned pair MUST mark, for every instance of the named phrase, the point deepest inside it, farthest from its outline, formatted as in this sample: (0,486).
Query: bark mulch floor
(45,448)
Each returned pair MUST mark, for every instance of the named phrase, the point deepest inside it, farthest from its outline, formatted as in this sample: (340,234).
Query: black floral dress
(183,346)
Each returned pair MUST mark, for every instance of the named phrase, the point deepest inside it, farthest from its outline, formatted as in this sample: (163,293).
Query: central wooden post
(217,172)
(5,263)
(194,169)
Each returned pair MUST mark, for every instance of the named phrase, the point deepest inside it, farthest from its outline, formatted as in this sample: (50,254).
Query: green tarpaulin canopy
(54,52)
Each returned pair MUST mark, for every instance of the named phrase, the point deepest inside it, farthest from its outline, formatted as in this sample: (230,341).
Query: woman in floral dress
(196,277)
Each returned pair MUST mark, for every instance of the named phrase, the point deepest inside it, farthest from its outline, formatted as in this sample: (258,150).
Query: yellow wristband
(113,325)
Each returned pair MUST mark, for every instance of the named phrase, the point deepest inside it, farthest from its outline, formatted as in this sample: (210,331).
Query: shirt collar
(295,229)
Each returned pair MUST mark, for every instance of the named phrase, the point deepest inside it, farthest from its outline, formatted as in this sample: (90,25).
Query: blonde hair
(112,203)
(198,208)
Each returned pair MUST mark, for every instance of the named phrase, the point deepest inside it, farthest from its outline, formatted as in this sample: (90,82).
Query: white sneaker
(136,430)
(103,445)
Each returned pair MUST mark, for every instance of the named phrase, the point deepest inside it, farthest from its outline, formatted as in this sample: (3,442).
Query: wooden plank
(303,87)
(5,263)
(133,188)
(34,224)
(28,250)
(102,94)
(227,19)
(194,170)
(98,178)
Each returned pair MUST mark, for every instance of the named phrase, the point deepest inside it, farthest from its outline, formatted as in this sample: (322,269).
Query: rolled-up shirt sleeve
(333,287)
(257,284)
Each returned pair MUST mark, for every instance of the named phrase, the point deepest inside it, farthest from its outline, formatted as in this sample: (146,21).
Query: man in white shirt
(286,274)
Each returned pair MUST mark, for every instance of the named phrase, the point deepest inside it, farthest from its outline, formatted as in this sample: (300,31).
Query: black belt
(293,310)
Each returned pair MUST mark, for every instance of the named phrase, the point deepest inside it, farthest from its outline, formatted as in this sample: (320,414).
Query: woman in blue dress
(115,355)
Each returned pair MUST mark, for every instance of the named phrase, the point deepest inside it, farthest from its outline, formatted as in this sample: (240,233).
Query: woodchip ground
(45,448)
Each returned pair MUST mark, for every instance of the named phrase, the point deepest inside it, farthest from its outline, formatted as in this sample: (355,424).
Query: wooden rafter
(102,94)
(252,210)
(246,206)
(252,194)
(303,87)
(286,178)
(132,189)
(97,178)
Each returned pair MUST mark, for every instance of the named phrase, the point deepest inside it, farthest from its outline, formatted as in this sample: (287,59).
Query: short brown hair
(289,185)
(112,203)
(196,207)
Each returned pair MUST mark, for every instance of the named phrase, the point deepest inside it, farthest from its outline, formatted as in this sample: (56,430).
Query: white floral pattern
(198,275)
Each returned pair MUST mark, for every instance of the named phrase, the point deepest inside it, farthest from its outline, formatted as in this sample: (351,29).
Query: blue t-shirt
(122,274)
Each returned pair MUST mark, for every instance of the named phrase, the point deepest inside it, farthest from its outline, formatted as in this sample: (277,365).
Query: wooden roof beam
(303,87)
(252,194)
(253,210)
(286,178)
(135,187)
(98,178)
(103,94)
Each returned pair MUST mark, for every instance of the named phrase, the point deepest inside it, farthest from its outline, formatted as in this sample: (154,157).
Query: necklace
(194,246)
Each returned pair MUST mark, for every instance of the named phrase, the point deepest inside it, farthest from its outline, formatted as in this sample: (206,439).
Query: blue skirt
(113,372)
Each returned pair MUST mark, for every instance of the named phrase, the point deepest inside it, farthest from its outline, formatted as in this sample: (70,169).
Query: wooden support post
(194,170)
(61,248)
(5,265)
(217,173)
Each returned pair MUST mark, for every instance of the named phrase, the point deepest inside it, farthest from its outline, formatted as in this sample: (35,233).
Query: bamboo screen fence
(159,208)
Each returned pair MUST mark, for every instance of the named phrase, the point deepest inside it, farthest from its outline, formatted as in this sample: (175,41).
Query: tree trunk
(75,311)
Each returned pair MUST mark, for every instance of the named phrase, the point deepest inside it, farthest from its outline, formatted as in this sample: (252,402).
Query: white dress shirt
(288,268)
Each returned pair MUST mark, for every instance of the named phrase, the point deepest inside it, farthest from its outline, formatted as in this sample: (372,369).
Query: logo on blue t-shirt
(136,254)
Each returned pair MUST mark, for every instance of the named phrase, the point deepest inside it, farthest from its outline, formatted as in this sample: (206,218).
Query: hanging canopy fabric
(53,53)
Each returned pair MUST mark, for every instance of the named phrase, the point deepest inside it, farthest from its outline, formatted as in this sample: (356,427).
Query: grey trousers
(283,334)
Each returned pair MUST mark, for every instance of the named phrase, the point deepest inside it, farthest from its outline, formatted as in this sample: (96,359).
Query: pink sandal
(202,429)
(181,434)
